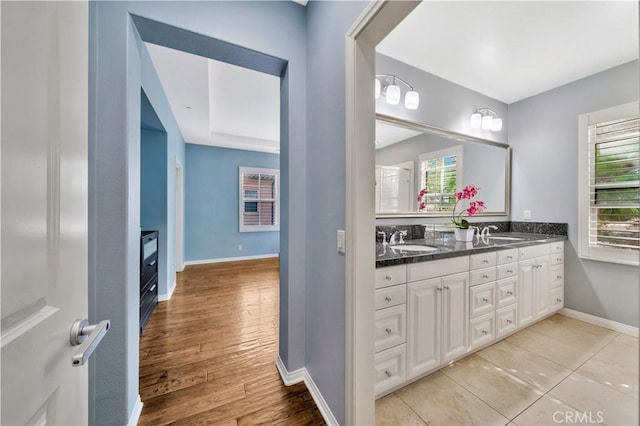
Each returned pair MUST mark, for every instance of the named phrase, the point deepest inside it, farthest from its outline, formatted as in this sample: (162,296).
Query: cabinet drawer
(390,327)
(507,256)
(148,270)
(481,276)
(507,270)
(507,291)
(506,320)
(482,330)
(391,296)
(482,299)
(391,275)
(530,252)
(482,260)
(390,368)
(437,268)
(556,275)
(557,247)
(556,298)
(556,258)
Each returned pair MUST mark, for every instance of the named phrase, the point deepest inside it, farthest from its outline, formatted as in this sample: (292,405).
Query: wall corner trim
(230,259)
(302,375)
(167,296)
(135,414)
(602,322)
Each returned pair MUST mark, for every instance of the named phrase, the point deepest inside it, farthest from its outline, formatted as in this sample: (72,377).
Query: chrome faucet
(397,237)
(486,230)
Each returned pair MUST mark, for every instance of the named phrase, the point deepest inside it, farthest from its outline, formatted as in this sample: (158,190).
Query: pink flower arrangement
(475,207)
(422,199)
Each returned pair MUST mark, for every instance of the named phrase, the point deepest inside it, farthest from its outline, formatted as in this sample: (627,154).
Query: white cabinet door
(454,315)
(44,210)
(526,274)
(542,286)
(423,335)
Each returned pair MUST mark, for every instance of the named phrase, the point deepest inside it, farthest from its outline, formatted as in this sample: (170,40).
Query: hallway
(208,355)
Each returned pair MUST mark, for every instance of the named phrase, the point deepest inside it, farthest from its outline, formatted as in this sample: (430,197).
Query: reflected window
(440,175)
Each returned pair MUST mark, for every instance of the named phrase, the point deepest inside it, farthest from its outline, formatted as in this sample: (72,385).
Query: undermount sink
(507,238)
(413,247)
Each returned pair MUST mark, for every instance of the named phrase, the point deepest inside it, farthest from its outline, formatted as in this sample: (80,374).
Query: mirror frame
(426,128)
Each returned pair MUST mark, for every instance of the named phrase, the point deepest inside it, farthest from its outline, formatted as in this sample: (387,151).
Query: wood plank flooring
(208,355)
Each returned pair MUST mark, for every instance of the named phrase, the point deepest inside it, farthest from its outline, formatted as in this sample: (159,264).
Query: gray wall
(327,24)
(545,181)
(117,71)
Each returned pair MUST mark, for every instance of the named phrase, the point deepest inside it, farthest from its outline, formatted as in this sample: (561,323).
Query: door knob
(88,337)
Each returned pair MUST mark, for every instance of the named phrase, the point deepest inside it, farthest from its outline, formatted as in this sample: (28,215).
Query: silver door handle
(88,337)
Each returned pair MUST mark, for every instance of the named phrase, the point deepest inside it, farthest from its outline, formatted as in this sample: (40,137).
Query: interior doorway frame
(179,210)
(376,21)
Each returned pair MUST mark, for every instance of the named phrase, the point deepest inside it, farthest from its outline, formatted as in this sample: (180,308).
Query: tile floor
(558,371)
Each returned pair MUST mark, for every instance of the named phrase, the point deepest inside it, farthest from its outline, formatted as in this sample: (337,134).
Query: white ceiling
(388,134)
(220,104)
(513,50)
(506,50)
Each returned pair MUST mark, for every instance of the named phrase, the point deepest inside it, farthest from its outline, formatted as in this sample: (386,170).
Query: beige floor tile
(589,396)
(391,410)
(549,410)
(575,324)
(504,392)
(438,400)
(576,333)
(533,369)
(626,340)
(615,366)
(558,351)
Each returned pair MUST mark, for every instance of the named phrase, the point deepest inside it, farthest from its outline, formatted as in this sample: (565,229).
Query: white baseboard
(602,322)
(302,375)
(135,414)
(167,296)
(230,259)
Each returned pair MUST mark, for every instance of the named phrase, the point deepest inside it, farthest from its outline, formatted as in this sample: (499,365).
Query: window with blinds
(259,202)
(613,163)
(439,175)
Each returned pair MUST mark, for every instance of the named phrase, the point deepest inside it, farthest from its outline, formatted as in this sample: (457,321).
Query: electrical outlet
(239,247)
(526,215)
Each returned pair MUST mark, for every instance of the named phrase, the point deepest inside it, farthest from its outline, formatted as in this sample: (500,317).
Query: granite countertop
(447,247)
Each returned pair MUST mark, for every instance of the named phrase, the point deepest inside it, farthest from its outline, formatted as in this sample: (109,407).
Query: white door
(424,304)
(44,89)
(455,315)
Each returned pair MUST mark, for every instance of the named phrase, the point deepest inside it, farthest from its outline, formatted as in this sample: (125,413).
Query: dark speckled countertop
(447,247)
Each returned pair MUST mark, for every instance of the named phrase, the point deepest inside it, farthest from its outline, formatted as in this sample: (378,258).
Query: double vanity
(438,300)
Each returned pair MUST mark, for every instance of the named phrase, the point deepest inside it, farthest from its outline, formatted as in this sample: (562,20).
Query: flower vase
(464,234)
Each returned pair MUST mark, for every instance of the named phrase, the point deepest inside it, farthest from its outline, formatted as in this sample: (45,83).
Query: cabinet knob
(485,261)
(509,321)
(485,276)
(485,332)
(446,287)
(388,373)
(388,299)
(559,259)
(484,299)
(387,277)
(388,330)
(559,300)
(559,277)
(439,288)
(510,293)
(509,271)
(509,257)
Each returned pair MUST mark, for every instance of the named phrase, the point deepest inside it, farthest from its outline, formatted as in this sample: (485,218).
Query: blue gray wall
(212,204)
(327,25)
(119,66)
(545,181)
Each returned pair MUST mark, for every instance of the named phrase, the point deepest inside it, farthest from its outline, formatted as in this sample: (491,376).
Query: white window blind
(613,163)
(259,199)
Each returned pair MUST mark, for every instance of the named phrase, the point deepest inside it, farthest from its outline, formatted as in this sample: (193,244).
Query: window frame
(258,228)
(585,251)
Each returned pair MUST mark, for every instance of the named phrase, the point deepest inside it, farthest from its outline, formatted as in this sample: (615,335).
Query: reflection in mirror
(412,156)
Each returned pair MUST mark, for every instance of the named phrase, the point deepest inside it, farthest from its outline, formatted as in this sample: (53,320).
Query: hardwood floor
(207,356)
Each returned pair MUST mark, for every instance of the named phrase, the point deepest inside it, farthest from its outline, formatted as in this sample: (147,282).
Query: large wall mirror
(411,156)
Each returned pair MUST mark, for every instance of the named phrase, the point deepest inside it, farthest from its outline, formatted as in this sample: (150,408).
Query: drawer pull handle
(510,293)
(485,261)
(153,287)
(509,321)
(558,277)
(388,373)
(388,299)
(509,257)
(484,299)
(485,276)
(446,287)
(485,332)
(559,300)
(388,277)
(509,271)
(558,259)
(388,330)
(153,263)
(439,288)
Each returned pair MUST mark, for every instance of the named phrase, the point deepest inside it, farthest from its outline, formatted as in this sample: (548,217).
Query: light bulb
(412,100)
(496,126)
(393,94)
(476,120)
(378,88)
(487,122)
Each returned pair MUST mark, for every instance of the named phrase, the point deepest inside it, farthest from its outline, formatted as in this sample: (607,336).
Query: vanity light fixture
(386,86)
(487,119)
